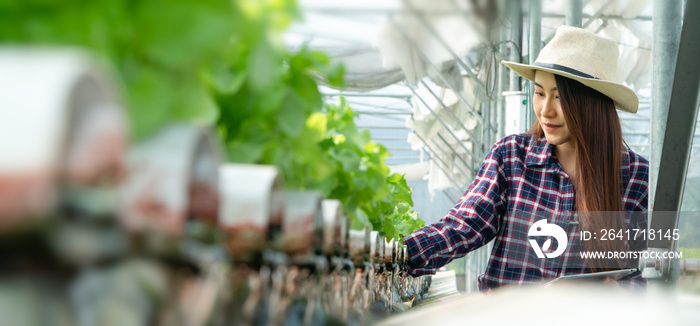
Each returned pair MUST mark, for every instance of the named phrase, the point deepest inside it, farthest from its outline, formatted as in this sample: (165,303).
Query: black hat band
(564,69)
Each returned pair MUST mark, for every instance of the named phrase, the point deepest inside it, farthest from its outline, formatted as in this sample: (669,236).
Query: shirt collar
(539,151)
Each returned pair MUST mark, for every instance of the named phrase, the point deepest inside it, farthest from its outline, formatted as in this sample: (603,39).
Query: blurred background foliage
(222,63)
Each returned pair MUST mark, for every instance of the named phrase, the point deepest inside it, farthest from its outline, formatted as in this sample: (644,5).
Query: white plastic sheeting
(434,124)
(634,37)
(414,39)
(437,50)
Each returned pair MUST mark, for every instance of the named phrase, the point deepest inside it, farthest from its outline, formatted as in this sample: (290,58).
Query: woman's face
(545,101)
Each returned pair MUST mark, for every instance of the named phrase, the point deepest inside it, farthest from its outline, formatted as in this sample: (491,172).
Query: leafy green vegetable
(370,194)
(222,62)
(157,47)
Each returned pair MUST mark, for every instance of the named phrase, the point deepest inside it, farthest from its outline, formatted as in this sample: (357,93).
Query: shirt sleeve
(470,224)
(634,282)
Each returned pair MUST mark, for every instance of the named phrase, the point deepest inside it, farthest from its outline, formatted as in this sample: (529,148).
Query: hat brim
(625,99)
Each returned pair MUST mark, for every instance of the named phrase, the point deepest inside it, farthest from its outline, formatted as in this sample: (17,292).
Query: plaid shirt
(521,182)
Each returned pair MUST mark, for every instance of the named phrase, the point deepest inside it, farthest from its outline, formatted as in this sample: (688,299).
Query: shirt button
(567,213)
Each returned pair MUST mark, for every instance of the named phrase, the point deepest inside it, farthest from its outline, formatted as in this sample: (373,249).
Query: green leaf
(395,178)
(307,89)
(315,127)
(273,102)
(150,101)
(347,158)
(245,152)
(360,219)
(224,62)
(389,230)
(194,104)
(402,208)
(291,117)
(301,60)
(317,57)
(333,74)
(224,80)
(265,67)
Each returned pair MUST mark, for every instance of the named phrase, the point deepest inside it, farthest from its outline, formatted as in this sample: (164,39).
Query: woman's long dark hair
(597,136)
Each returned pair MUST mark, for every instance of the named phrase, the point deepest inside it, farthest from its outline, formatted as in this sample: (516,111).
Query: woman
(571,174)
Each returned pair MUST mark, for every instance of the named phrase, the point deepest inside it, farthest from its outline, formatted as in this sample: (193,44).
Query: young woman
(571,174)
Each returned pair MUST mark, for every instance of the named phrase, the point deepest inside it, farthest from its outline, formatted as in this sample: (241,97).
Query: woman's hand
(612,283)
(609,280)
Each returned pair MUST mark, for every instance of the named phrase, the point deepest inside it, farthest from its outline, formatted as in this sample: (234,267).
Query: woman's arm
(469,225)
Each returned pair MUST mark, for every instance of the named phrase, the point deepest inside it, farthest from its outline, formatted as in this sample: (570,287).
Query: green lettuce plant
(223,63)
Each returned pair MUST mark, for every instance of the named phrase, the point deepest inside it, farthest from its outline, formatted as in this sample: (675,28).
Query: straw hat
(581,55)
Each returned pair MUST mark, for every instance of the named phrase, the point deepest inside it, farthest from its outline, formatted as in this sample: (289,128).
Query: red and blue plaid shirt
(520,182)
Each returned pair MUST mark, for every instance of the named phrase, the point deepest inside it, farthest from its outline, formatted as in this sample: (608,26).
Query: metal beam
(379,108)
(534,46)
(331,8)
(435,155)
(469,173)
(597,14)
(450,113)
(535,21)
(485,128)
(448,129)
(382,139)
(502,86)
(607,17)
(493,105)
(399,96)
(682,116)
(664,51)
(384,127)
(574,11)
(516,37)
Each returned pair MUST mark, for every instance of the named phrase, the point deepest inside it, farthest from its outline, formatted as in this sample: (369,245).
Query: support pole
(494,102)
(675,151)
(574,12)
(516,37)
(502,84)
(534,46)
(486,131)
(664,51)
